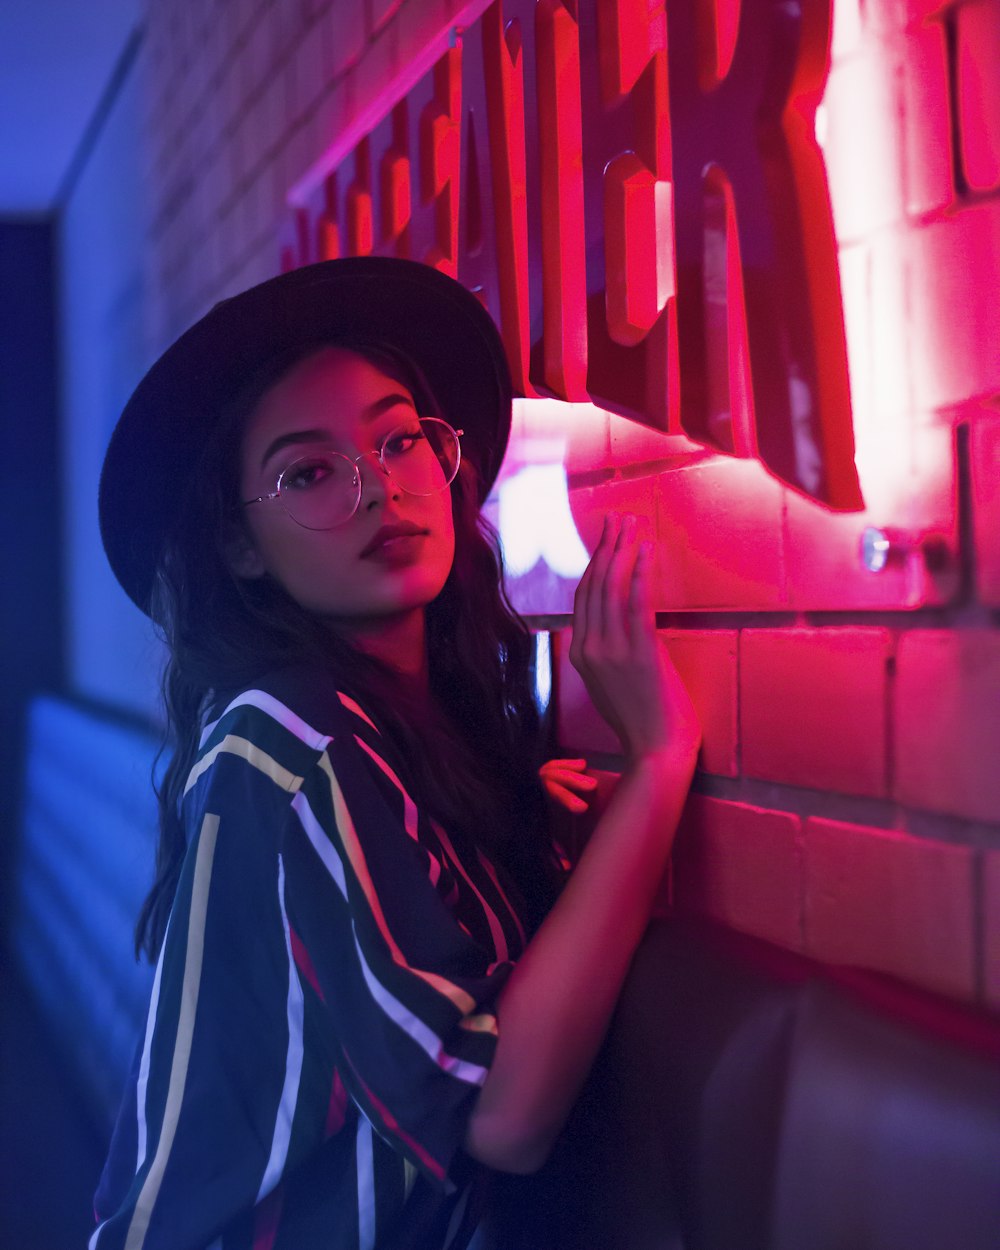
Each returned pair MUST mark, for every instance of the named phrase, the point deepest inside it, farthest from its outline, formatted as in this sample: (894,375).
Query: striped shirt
(321,1017)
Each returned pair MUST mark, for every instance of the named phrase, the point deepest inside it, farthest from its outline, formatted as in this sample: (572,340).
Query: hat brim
(436,321)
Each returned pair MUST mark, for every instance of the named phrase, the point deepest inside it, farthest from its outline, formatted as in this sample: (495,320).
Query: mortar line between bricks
(889,708)
(967,572)
(800,875)
(931,616)
(948,22)
(738,745)
(978,867)
(882,815)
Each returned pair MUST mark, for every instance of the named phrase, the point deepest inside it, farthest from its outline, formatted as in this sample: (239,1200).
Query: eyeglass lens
(323,489)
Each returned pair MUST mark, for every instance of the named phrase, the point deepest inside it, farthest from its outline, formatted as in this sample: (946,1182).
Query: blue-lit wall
(80,856)
(112,656)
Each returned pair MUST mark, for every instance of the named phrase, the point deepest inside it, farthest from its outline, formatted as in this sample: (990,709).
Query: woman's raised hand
(559,998)
(627,672)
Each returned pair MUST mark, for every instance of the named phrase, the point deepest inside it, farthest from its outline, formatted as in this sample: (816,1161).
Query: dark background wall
(50,1154)
(30,517)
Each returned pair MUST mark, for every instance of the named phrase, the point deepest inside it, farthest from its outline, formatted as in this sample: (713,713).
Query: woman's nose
(377,484)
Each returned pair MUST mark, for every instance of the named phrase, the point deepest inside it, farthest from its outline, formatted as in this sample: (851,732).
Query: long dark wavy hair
(471,759)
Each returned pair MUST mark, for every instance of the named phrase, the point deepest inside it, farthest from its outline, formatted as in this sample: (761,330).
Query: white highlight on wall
(536,523)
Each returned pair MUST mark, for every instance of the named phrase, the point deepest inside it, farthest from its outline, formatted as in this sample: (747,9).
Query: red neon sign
(639,199)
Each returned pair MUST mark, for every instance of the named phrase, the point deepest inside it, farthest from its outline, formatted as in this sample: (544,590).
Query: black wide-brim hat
(165,425)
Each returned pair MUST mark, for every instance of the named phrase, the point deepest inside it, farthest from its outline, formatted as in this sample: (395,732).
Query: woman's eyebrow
(385,403)
(374,410)
(297,436)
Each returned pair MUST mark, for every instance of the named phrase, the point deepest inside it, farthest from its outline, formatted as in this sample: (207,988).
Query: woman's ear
(240,552)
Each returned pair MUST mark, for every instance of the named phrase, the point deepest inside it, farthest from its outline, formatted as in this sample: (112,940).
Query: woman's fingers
(586,591)
(577,765)
(641,620)
(565,798)
(568,772)
(579,782)
(566,781)
(599,565)
(614,645)
(615,649)
(615,594)
(600,616)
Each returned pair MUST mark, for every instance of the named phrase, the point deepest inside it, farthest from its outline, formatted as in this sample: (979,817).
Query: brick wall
(846,804)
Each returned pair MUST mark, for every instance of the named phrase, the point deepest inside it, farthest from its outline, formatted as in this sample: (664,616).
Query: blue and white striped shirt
(322,1013)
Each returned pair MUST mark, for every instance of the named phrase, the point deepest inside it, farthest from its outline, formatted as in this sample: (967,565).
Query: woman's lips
(398,549)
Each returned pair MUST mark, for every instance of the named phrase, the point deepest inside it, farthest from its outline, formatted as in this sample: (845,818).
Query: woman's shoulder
(298,702)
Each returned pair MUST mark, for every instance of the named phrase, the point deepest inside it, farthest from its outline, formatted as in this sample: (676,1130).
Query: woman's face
(338,400)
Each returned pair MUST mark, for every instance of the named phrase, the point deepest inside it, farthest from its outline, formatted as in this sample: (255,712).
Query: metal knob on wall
(878,548)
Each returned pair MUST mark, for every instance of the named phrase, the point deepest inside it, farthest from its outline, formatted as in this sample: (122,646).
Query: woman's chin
(376,611)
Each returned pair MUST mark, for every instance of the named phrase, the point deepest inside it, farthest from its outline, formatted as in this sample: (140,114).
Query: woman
(370,978)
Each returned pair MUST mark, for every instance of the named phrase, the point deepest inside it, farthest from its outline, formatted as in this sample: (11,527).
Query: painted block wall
(847,803)
(112,655)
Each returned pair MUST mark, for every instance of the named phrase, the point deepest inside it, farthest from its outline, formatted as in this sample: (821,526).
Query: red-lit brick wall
(847,804)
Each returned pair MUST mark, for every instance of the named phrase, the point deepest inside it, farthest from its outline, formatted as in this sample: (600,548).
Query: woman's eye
(401,441)
(304,474)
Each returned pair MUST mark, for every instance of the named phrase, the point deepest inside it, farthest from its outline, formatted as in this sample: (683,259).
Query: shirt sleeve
(206,1127)
(410,994)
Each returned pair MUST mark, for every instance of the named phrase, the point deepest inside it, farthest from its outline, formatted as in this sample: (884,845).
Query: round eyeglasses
(322,489)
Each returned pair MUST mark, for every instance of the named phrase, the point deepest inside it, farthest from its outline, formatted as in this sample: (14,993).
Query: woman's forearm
(555,1009)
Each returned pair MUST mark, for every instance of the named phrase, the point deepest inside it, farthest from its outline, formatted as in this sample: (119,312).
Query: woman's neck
(399,642)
